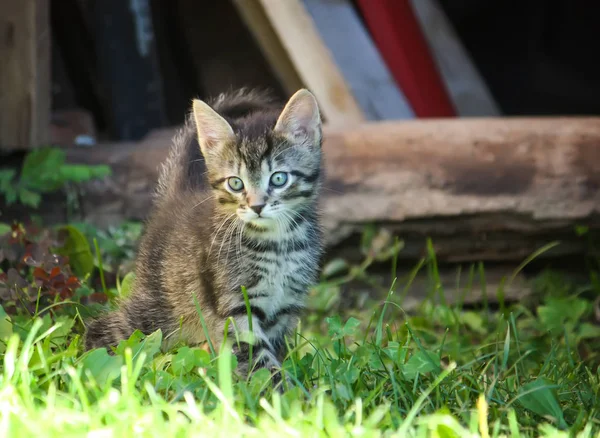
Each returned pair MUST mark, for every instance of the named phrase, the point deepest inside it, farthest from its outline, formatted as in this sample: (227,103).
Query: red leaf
(55,272)
(39,273)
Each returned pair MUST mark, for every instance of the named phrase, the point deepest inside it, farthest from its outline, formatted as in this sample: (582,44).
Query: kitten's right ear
(213,130)
(300,120)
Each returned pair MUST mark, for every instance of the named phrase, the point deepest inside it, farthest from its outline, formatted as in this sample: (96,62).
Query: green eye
(235,184)
(279,179)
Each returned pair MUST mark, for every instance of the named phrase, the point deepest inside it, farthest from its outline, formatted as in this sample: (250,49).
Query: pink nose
(257,208)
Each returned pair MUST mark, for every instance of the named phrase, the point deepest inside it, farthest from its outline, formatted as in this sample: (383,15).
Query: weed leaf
(421,362)
(538,397)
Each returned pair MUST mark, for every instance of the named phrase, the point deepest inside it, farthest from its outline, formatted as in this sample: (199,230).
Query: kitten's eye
(235,184)
(279,179)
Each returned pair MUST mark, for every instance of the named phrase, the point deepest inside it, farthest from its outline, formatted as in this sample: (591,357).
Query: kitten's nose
(257,208)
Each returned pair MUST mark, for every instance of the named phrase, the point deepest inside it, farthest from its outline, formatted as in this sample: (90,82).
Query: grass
(516,369)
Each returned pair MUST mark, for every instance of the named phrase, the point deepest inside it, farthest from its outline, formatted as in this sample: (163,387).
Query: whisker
(289,217)
(297,214)
(239,254)
(225,238)
(203,201)
(231,242)
(217,232)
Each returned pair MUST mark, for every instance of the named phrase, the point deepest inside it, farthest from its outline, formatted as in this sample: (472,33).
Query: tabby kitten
(235,206)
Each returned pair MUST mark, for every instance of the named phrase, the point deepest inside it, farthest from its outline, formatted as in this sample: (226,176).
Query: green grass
(516,369)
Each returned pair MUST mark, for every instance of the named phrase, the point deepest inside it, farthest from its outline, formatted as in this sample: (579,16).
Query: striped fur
(202,240)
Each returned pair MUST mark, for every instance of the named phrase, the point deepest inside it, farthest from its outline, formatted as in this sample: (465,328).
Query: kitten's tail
(107,331)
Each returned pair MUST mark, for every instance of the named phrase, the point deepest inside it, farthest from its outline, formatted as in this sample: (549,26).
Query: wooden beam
(294,29)
(25,74)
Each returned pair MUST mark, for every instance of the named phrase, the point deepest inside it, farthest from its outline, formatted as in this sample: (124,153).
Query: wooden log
(482,189)
(490,189)
(25,74)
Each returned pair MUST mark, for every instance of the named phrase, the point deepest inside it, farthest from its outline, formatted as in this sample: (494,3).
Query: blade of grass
(100,267)
(249,313)
(412,414)
(204,326)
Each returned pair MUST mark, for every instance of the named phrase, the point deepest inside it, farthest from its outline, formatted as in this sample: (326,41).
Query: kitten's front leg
(263,352)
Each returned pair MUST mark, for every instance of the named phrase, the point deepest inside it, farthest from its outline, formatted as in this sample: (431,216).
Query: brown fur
(191,251)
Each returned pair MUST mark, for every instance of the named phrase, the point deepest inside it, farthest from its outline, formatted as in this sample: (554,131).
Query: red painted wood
(398,36)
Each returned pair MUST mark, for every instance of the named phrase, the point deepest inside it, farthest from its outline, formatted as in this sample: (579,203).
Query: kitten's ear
(212,129)
(300,120)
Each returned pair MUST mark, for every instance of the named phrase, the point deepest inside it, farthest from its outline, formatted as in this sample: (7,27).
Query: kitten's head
(265,167)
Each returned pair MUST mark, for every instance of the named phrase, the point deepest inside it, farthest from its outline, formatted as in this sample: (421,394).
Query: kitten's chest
(273,277)
(279,278)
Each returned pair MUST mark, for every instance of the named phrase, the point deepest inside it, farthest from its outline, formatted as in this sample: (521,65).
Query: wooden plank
(257,21)
(467,88)
(359,60)
(312,60)
(398,36)
(25,74)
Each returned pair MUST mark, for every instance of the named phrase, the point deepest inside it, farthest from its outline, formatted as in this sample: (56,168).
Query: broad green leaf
(126,284)
(334,327)
(539,397)
(29,198)
(6,328)
(133,342)
(259,381)
(65,328)
(6,177)
(4,228)
(150,345)
(588,331)
(421,362)
(161,380)
(11,196)
(473,320)
(351,326)
(183,361)
(138,342)
(102,366)
(556,312)
(41,169)
(79,173)
(77,248)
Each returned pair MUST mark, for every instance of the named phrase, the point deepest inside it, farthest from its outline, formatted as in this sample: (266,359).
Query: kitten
(236,206)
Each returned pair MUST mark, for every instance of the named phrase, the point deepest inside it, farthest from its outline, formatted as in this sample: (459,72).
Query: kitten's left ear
(300,120)
(212,129)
